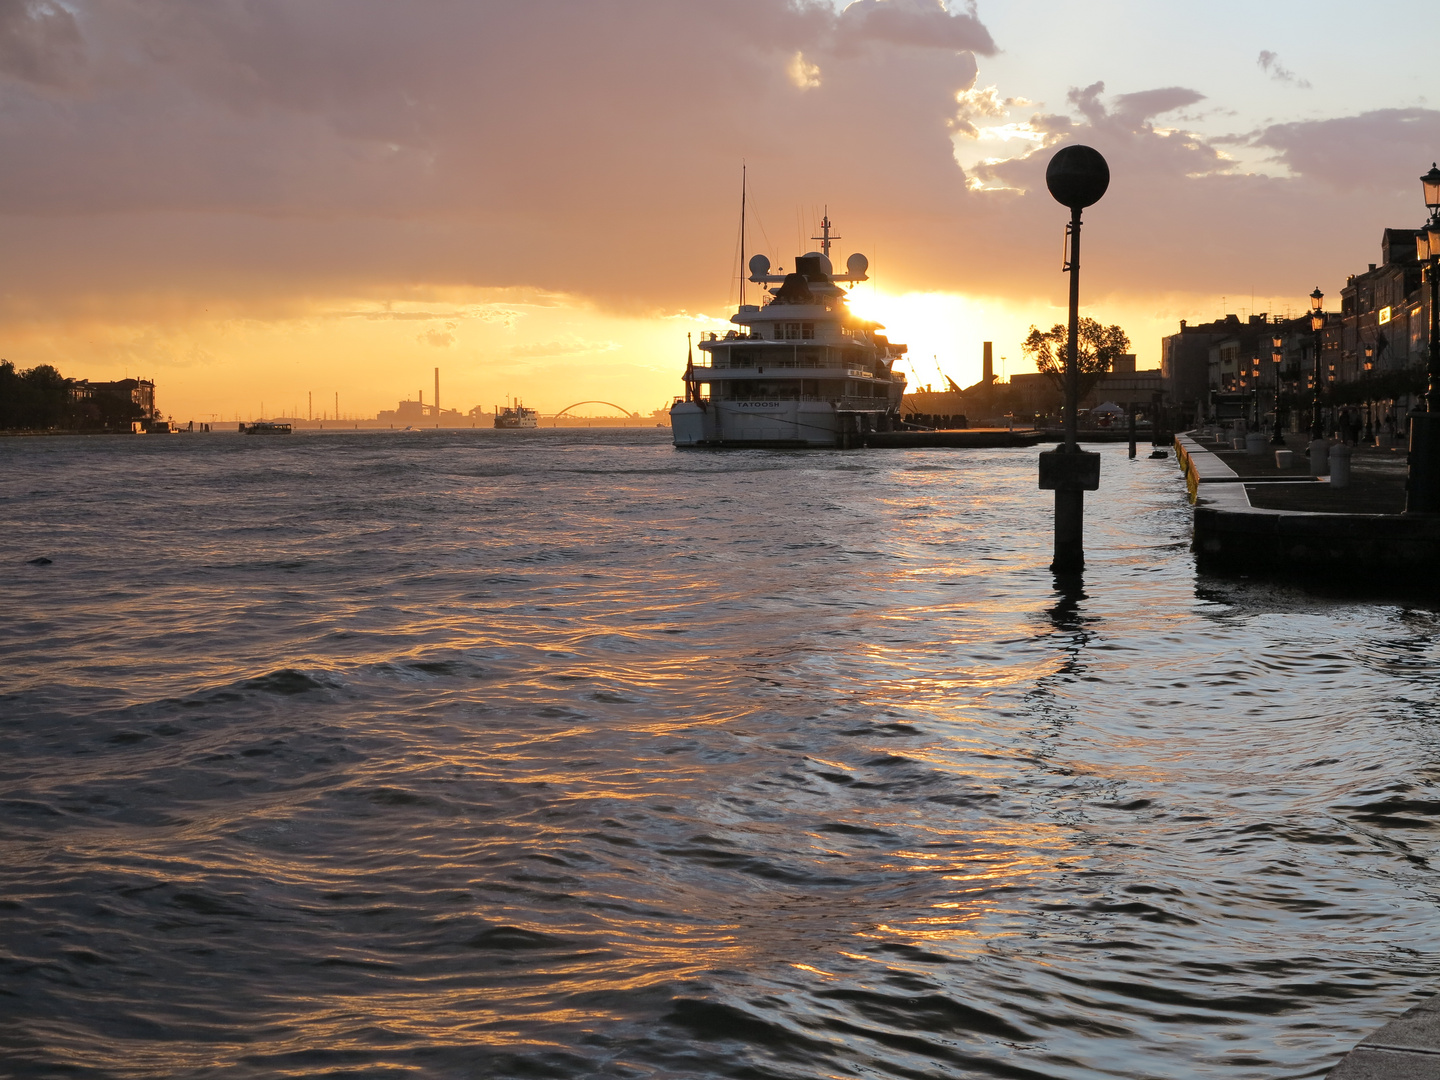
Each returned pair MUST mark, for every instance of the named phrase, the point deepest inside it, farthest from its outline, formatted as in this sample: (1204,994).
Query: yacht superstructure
(801,370)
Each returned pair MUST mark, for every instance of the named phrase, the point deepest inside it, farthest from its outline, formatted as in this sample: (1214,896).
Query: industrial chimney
(437,393)
(987,375)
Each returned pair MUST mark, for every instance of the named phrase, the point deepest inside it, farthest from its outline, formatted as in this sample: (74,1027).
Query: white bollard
(1319,457)
(1255,444)
(1284,459)
(1339,466)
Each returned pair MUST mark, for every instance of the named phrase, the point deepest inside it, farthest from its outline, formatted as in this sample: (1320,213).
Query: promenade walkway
(1256,518)
(1377,479)
(1407,1048)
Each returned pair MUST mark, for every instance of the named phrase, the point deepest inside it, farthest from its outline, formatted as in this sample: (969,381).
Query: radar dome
(824,261)
(857,264)
(759,265)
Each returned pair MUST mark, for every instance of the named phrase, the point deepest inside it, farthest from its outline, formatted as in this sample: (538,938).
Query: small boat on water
(516,416)
(265,427)
(801,370)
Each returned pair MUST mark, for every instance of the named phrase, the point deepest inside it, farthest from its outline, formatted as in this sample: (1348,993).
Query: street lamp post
(1077,177)
(1317,325)
(1365,378)
(1277,356)
(1422,494)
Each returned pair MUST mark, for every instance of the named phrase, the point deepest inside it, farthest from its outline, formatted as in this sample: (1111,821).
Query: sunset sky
(249,200)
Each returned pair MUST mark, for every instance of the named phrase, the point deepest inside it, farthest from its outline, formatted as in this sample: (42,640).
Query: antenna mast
(825,238)
(743,170)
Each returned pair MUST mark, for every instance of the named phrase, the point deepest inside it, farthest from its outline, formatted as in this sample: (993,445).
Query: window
(807,330)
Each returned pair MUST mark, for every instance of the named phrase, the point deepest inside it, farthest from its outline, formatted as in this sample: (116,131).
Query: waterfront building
(112,405)
(1035,392)
(1201,365)
(1372,351)
(1384,313)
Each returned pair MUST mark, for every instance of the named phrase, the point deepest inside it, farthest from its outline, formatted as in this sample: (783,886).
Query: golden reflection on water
(519,768)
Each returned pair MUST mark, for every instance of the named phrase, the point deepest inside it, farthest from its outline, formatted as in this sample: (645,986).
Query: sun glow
(946,332)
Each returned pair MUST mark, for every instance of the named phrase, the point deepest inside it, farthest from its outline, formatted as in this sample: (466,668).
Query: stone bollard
(1284,459)
(1255,444)
(1319,457)
(1237,443)
(1339,466)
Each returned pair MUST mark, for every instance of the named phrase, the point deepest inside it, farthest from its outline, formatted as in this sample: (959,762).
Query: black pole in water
(1077,177)
(1131,410)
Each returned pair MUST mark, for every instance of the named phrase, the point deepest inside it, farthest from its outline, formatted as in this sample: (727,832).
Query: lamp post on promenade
(1317,325)
(1077,177)
(1277,356)
(1422,494)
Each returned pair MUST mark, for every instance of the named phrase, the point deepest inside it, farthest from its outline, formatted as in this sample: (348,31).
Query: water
(566,754)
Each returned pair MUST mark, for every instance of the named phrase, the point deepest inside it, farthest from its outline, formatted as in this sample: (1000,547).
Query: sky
(262,204)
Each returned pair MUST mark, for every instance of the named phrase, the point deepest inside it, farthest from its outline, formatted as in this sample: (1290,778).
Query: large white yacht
(800,371)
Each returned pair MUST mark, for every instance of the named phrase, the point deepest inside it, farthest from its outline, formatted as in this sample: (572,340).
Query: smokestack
(437,391)
(987,375)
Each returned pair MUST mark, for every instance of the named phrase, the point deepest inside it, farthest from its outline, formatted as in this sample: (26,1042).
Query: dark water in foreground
(565,754)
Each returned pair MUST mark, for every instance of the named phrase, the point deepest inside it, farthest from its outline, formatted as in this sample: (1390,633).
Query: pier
(1255,516)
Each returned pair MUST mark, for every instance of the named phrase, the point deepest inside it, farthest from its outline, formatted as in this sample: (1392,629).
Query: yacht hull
(769,424)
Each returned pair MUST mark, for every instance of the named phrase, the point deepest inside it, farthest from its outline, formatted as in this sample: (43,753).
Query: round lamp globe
(1077,176)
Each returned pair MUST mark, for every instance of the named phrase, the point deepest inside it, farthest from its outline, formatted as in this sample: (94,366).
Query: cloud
(976,103)
(441,339)
(350,147)
(339,154)
(1140,108)
(40,42)
(803,74)
(1269,62)
(925,24)
(1379,150)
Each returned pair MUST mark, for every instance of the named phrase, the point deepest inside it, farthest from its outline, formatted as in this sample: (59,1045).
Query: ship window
(807,330)
(792,331)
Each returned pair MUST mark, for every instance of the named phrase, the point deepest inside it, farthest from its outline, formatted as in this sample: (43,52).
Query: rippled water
(567,754)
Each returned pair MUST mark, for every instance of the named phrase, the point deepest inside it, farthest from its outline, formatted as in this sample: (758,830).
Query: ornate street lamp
(1277,356)
(1317,324)
(1423,489)
(1365,378)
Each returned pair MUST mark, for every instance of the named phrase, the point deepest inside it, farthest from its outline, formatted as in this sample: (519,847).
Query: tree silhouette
(1098,348)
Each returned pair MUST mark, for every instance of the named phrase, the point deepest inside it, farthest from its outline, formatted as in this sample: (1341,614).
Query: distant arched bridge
(612,405)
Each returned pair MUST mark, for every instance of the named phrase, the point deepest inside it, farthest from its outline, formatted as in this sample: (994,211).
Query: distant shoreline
(230,427)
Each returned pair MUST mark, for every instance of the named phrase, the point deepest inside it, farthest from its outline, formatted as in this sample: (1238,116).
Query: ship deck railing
(863,403)
(802,365)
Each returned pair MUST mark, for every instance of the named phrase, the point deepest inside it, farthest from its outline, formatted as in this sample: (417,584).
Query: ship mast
(743,168)
(825,238)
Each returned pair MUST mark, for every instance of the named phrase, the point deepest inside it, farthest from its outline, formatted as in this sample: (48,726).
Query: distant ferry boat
(265,427)
(516,416)
(801,371)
